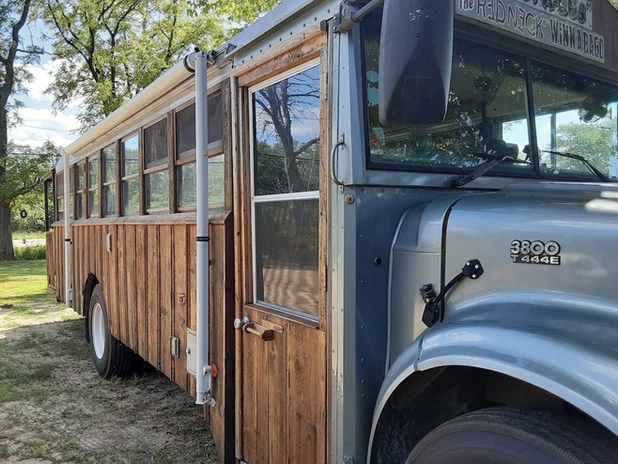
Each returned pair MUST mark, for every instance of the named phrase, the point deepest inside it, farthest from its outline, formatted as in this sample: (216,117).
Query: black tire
(110,356)
(505,435)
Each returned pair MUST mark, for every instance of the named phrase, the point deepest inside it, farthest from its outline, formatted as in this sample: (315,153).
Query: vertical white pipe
(68,296)
(203,282)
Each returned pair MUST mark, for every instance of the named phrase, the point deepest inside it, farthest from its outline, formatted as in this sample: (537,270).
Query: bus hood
(542,242)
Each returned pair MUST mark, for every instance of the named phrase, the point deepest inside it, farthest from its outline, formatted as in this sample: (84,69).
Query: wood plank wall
(151,263)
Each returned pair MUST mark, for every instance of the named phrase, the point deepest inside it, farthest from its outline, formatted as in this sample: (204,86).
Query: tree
(287,104)
(13,58)
(109,50)
(241,12)
(593,141)
(24,170)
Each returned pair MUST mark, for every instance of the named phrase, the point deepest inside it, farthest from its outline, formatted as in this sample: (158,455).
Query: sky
(39,123)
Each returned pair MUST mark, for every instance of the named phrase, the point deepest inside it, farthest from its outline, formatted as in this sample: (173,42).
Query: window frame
(302,316)
(214,149)
(107,183)
(125,178)
(480,36)
(97,187)
(59,195)
(81,192)
(154,167)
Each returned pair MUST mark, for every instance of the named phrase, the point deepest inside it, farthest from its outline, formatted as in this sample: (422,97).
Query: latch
(434,304)
(244,324)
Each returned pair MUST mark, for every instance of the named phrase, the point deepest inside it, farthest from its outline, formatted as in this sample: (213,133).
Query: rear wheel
(110,356)
(515,436)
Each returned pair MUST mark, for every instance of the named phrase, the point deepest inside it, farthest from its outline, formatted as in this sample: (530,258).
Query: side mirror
(416,55)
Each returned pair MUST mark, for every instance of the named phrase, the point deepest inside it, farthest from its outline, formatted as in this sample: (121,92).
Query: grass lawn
(55,407)
(28,235)
(23,292)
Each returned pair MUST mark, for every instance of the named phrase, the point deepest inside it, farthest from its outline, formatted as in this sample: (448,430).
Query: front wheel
(110,356)
(506,435)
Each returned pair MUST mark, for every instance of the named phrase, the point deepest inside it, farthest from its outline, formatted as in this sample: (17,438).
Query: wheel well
(430,398)
(91,282)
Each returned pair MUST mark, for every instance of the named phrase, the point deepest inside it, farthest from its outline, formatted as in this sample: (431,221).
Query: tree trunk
(6,239)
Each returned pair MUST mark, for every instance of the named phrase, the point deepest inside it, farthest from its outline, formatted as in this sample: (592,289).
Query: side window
(130,175)
(157,181)
(79,191)
(185,155)
(285,158)
(109,181)
(93,187)
(60,196)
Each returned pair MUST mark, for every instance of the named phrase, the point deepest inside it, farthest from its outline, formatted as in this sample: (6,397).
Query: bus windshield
(489,113)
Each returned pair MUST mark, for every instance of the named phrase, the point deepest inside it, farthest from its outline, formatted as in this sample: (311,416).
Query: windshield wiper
(602,177)
(484,167)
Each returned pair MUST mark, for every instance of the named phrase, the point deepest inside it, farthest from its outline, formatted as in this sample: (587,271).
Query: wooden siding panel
(111,272)
(221,418)
(165,298)
(248,396)
(122,301)
(277,379)
(192,274)
(76,255)
(179,365)
(307,394)
(141,236)
(131,287)
(152,302)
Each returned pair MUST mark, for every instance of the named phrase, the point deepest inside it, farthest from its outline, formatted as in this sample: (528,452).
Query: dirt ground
(55,408)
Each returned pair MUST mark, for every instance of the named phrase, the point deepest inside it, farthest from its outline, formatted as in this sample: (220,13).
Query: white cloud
(41,78)
(41,125)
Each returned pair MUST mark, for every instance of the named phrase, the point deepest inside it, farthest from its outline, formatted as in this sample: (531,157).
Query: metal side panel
(191,352)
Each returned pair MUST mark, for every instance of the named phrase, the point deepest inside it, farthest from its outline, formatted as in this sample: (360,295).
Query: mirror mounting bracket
(350,15)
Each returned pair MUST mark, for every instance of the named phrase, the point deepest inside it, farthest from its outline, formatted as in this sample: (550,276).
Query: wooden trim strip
(118,179)
(313,41)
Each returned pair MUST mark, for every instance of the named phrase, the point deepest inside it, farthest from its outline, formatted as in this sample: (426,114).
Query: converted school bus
(261,238)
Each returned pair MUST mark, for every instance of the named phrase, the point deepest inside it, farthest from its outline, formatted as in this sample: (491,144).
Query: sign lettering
(564,24)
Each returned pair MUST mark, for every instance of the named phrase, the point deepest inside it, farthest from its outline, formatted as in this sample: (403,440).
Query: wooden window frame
(83,191)
(104,183)
(138,175)
(154,167)
(214,149)
(95,188)
(59,194)
(299,316)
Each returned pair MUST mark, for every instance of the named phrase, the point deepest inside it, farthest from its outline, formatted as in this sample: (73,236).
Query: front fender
(545,345)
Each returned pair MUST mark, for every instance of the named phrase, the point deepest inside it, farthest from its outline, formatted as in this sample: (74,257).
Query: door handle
(249,327)
(259,330)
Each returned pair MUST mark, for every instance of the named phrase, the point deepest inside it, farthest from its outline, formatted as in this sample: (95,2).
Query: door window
(285,159)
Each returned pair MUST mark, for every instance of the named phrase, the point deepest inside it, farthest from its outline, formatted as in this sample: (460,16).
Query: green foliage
(29,253)
(241,12)
(593,141)
(22,188)
(110,50)
(25,167)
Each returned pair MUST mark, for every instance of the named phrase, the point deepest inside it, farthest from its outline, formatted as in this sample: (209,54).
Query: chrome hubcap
(97,336)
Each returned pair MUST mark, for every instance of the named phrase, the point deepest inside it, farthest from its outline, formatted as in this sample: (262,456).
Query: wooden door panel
(283,397)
